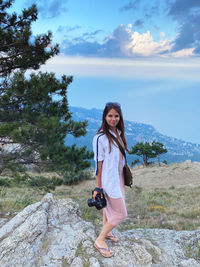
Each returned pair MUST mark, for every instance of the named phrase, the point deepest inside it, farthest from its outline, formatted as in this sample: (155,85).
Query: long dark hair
(120,126)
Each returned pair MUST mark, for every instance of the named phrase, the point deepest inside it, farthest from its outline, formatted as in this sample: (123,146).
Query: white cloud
(144,45)
(183,53)
(149,68)
(123,42)
(162,35)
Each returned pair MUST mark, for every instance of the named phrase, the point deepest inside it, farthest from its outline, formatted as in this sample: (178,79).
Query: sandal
(112,237)
(104,249)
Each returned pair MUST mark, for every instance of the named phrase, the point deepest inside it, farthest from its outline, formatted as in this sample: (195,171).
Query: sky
(143,54)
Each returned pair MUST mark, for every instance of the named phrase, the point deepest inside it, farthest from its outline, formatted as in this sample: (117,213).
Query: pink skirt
(116,207)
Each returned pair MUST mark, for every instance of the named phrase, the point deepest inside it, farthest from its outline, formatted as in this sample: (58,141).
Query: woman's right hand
(94,194)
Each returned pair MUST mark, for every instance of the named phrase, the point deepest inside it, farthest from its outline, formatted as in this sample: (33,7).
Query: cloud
(132,44)
(187,14)
(151,11)
(49,9)
(181,8)
(131,5)
(123,42)
(148,8)
(145,68)
(183,52)
(139,23)
(91,35)
(81,47)
(66,29)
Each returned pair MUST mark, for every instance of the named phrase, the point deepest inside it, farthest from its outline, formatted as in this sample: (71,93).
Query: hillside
(52,232)
(178,150)
(178,175)
(162,227)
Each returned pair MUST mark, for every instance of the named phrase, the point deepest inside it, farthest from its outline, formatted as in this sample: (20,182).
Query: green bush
(76,177)
(41,182)
(57,181)
(19,178)
(5,182)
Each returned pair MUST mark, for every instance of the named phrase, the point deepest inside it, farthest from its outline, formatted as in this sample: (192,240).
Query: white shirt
(110,175)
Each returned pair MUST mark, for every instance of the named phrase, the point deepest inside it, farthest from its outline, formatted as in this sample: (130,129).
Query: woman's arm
(98,178)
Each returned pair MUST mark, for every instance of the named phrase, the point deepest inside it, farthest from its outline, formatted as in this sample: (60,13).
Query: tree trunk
(159,159)
(1,169)
(145,160)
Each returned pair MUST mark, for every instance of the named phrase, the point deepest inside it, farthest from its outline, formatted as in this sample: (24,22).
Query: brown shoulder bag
(128,178)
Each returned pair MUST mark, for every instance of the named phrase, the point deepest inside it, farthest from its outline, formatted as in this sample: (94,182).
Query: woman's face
(112,118)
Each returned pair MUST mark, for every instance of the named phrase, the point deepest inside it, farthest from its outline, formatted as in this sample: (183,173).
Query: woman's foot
(112,237)
(102,247)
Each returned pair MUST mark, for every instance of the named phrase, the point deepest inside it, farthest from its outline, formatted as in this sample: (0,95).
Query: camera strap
(99,190)
(97,150)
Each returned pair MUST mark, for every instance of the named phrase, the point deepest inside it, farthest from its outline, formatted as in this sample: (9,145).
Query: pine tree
(159,149)
(19,49)
(143,150)
(34,113)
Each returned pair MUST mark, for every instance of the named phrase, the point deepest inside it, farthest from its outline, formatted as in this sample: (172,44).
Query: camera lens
(98,203)
(91,202)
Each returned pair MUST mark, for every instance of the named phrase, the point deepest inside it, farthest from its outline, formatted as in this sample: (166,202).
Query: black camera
(99,202)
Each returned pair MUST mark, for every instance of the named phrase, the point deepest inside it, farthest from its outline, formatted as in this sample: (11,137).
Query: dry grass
(173,207)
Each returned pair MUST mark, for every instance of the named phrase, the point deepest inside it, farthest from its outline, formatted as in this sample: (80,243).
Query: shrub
(76,177)
(57,181)
(5,182)
(19,178)
(41,182)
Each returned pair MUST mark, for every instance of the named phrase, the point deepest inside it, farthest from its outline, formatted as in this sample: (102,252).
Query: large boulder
(52,233)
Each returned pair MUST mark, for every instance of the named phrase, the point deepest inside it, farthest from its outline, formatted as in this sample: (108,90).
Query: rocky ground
(52,233)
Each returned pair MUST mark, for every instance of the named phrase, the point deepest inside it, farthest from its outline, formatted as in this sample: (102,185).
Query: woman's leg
(115,212)
(104,217)
(109,235)
(100,241)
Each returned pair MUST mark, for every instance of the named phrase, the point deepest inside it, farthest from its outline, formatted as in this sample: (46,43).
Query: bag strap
(120,147)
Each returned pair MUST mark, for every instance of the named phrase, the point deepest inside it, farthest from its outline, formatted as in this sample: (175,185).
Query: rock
(77,262)
(189,263)
(52,233)
(3,221)
(94,262)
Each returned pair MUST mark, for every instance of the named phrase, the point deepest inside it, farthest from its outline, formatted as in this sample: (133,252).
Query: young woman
(109,173)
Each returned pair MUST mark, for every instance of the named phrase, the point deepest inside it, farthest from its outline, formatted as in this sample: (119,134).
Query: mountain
(178,150)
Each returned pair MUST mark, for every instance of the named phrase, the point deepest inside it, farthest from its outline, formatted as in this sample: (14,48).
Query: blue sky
(143,54)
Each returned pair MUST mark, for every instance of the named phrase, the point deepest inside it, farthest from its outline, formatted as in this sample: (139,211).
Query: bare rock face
(52,233)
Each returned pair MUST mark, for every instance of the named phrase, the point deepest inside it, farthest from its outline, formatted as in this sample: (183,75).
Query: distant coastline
(178,150)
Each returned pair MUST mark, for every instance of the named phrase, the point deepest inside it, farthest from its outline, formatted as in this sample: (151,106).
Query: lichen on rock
(52,233)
